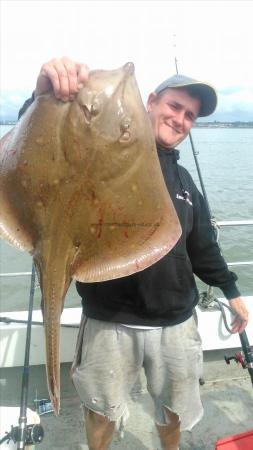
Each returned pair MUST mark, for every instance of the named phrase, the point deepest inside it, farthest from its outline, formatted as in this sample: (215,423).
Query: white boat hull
(13,335)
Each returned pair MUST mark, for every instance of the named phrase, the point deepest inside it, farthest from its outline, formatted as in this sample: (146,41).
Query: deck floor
(227,397)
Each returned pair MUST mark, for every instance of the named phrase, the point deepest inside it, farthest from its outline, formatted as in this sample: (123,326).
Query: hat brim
(207,95)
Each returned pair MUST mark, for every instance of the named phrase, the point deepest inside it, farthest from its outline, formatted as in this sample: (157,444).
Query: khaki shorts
(109,358)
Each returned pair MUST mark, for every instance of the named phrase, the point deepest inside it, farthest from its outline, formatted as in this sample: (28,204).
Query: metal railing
(233,223)
(220,223)
(236,223)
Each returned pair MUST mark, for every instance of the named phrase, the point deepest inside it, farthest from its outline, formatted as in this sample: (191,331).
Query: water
(226,161)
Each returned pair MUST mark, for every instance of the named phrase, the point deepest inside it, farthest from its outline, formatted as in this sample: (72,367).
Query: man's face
(172,115)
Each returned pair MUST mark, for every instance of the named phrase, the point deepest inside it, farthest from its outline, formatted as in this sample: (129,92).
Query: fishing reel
(33,435)
(238,358)
(245,358)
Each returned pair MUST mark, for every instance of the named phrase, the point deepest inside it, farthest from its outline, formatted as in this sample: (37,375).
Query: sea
(225,157)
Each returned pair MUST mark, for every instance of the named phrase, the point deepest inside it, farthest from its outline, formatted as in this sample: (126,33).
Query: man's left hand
(241,315)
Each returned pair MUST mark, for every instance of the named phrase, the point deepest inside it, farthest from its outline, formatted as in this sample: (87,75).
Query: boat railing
(220,224)
(236,223)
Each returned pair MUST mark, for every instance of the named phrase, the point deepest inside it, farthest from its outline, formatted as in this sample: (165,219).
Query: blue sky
(211,39)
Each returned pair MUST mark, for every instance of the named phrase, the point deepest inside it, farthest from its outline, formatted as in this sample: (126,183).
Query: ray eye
(125,125)
(87,113)
(91,110)
(125,129)
(95,108)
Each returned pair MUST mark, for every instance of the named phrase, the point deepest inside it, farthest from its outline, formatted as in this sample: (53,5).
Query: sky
(212,41)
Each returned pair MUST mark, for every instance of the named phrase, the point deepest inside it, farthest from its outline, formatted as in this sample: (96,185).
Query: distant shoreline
(217,124)
(214,124)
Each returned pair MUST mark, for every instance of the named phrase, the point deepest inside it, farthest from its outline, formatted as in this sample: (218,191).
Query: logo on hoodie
(184,196)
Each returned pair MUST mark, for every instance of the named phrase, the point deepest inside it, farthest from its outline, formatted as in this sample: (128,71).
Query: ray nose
(129,68)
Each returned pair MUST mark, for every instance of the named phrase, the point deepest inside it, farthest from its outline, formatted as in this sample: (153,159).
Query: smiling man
(172,115)
(175,105)
(146,320)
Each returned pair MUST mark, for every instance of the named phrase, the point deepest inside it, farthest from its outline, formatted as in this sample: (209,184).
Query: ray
(81,189)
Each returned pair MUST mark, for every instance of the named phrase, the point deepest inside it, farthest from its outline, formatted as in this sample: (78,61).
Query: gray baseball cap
(204,91)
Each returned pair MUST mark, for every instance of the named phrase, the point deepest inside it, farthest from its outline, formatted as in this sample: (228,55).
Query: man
(146,319)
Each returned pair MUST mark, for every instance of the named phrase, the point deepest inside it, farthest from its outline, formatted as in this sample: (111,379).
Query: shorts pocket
(78,357)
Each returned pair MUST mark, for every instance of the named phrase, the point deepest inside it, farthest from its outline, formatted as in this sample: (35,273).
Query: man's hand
(240,319)
(64,76)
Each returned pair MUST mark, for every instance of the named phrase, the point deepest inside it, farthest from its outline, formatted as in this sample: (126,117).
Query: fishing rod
(195,153)
(24,434)
(246,357)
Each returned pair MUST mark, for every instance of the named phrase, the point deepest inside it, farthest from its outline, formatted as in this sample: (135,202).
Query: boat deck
(227,397)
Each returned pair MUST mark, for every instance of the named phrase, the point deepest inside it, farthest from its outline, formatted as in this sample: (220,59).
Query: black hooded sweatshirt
(165,293)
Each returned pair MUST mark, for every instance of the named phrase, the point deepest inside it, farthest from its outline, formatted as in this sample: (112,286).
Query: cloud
(15,99)
(235,104)
(228,90)
(10,104)
(237,99)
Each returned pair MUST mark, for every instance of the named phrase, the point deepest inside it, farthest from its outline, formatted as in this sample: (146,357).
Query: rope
(207,300)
